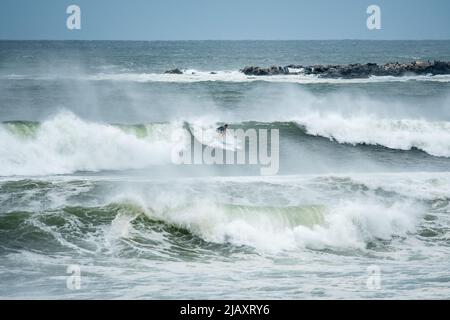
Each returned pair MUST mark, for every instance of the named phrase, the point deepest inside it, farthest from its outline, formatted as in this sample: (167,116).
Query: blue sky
(224,19)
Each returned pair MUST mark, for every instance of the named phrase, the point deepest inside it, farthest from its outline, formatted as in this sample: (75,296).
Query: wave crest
(66,144)
(431,137)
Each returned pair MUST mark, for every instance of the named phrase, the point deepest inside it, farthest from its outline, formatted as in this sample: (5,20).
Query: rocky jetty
(357,70)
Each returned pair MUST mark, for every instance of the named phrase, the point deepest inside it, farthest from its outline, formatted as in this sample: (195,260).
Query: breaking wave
(266,229)
(345,225)
(431,137)
(66,144)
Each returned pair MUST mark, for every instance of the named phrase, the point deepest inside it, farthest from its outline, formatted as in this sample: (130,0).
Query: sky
(224,20)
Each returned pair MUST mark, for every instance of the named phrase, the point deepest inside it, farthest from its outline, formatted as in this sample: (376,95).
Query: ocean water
(360,207)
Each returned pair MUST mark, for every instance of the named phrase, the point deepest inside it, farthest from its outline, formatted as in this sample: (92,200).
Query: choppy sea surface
(360,206)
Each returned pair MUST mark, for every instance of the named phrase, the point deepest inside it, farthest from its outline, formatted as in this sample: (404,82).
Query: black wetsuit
(222,129)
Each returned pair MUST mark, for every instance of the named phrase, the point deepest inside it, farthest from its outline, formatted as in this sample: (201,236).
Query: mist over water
(86,176)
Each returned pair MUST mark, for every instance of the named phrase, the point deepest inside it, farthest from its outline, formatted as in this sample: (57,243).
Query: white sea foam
(66,144)
(338,224)
(236,76)
(347,224)
(431,137)
(192,75)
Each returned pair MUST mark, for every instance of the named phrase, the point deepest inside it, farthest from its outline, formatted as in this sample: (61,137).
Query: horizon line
(187,40)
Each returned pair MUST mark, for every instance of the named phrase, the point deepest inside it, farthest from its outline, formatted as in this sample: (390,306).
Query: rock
(257,71)
(439,67)
(174,71)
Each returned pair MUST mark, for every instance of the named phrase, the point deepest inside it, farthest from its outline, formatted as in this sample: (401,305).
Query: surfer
(222,129)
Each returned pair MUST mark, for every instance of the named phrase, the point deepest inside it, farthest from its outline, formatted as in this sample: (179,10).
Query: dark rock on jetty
(257,71)
(174,71)
(357,70)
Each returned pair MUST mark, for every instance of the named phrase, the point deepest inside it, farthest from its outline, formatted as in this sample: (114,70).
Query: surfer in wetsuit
(222,129)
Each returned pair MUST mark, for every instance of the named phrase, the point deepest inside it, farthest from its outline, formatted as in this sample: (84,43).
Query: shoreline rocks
(347,71)
(356,70)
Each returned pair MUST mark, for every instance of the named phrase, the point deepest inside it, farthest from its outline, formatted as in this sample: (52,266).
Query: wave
(267,229)
(191,75)
(431,137)
(319,212)
(66,144)
(345,225)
